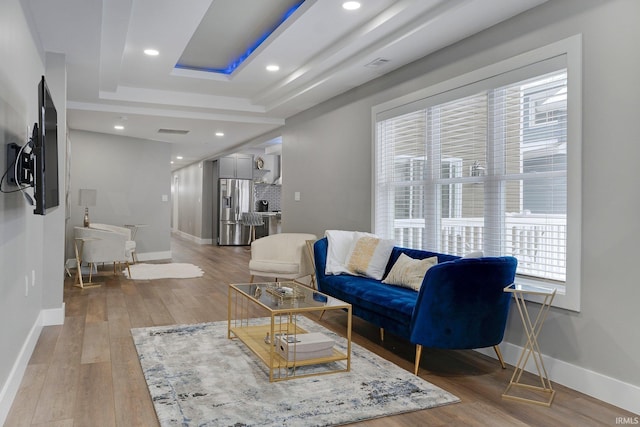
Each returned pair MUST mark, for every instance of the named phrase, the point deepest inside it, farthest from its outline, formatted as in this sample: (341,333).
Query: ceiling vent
(377,63)
(173,131)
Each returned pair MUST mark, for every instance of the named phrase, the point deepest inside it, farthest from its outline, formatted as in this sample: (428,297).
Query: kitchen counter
(272,223)
(270,213)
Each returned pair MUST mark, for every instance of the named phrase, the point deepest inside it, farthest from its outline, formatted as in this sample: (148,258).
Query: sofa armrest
(462,305)
(320,249)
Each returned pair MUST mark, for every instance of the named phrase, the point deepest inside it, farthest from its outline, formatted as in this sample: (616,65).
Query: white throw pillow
(339,244)
(409,272)
(369,256)
(474,254)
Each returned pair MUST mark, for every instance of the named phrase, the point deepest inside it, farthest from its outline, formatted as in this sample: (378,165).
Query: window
(485,166)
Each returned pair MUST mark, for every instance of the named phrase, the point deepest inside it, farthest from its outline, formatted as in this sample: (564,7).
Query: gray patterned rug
(198,377)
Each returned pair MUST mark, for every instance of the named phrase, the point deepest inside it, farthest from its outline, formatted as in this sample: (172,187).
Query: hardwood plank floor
(86,372)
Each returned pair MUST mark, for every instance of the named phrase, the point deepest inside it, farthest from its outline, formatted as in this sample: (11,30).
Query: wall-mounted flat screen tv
(45,152)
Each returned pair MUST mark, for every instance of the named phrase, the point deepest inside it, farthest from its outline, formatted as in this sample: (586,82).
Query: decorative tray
(286,292)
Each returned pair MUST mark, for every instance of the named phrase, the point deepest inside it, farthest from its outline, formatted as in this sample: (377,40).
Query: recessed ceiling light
(179,157)
(351,5)
(118,127)
(171,161)
(273,68)
(151,52)
(219,133)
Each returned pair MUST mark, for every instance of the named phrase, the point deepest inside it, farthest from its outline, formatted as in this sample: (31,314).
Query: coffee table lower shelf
(253,338)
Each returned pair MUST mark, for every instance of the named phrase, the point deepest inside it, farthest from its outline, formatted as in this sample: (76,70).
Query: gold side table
(544,393)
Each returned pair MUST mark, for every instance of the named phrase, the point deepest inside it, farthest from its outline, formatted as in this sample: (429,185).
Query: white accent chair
(100,246)
(282,256)
(130,245)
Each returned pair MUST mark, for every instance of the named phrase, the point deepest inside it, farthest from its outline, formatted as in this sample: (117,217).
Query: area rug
(198,377)
(174,270)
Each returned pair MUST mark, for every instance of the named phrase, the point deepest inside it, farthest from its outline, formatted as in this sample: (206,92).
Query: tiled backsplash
(268,192)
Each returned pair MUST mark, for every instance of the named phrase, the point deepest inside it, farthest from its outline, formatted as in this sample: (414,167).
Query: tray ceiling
(321,49)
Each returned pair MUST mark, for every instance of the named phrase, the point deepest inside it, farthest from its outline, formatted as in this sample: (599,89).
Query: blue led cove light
(230,68)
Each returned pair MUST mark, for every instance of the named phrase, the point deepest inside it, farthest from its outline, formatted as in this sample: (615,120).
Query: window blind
(484,171)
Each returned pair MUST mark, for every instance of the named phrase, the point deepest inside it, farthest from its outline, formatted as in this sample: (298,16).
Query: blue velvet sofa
(461,304)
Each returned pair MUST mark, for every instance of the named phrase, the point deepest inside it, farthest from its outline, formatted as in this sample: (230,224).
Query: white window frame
(454,207)
(568,294)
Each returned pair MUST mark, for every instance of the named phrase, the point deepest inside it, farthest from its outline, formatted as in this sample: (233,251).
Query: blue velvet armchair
(461,304)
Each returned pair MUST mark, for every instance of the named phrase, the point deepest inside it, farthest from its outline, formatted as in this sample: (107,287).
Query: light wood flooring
(86,372)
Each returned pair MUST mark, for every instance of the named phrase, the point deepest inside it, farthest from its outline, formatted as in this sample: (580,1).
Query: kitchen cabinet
(244,167)
(236,166)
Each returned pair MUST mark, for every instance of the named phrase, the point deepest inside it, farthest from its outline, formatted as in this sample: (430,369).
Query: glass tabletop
(530,289)
(287,296)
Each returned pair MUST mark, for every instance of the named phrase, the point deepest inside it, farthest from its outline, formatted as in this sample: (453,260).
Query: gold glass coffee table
(281,303)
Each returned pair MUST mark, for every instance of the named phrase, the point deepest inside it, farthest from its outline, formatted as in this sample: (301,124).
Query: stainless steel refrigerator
(235,196)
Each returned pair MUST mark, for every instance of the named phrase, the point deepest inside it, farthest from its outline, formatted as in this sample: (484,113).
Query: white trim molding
(594,384)
(53,316)
(153,256)
(48,317)
(195,239)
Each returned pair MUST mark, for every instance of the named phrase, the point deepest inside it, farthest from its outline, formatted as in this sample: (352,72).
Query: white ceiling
(322,51)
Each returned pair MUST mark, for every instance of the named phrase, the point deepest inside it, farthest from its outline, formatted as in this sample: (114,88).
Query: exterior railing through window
(538,243)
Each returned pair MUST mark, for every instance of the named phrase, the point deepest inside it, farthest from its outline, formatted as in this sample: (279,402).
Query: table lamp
(87,198)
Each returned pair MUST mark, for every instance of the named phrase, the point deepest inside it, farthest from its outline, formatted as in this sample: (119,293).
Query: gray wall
(327,158)
(31,267)
(194,194)
(327,151)
(131,177)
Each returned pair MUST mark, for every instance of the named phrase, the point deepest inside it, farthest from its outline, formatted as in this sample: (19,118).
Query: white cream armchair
(130,244)
(281,256)
(100,246)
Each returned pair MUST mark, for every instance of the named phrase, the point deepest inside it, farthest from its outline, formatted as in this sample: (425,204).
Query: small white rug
(198,377)
(174,270)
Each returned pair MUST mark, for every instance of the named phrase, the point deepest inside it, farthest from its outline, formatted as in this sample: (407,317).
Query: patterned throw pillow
(340,243)
(369,257)
(408,272)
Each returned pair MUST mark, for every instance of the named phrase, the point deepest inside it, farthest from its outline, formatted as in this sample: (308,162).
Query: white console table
(544,393)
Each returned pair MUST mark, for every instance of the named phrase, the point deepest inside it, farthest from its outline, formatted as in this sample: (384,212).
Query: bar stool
(251,220)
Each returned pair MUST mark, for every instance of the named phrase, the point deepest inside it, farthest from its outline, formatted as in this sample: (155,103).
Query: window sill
(564,299)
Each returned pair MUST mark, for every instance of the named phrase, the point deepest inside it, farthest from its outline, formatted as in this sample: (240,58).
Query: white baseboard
(153,256)
(10,389)
(53,316)
(196,239)
(594,384)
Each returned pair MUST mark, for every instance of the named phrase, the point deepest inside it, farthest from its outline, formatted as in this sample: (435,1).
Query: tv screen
(45,151)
